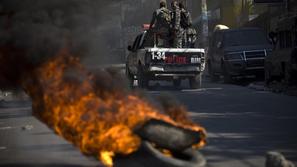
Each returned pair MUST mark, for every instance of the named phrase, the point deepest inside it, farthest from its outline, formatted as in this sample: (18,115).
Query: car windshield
(245,37)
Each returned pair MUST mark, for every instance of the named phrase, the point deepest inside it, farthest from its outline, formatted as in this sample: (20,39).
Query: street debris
(259,86)
(27,127)
(275,87)
(276,159)
(278,87)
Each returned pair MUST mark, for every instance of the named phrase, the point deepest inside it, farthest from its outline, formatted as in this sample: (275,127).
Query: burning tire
(165,145)
(187,158)
(149,156)
(167,136)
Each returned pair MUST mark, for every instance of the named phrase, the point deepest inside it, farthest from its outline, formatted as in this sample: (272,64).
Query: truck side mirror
(129,48)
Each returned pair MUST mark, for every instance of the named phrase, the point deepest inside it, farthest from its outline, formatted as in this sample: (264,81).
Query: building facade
(267,18)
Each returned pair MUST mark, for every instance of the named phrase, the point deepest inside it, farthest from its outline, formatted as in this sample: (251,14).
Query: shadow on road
(244,136)
(14,104)
(15,113)
(48,147)
(239,81)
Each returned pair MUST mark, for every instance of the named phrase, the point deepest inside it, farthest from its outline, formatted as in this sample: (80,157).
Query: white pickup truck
(146,62)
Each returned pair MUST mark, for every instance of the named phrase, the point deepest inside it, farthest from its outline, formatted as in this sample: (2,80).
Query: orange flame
(64,97)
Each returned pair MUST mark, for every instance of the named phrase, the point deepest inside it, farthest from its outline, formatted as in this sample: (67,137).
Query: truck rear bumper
(174,69)
(170,77)
(173,72)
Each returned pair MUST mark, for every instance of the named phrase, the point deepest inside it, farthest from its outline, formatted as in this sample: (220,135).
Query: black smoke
(31,31)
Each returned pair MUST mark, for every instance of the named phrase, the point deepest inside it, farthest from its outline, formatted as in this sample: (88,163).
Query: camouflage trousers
(189,38)
(178,39)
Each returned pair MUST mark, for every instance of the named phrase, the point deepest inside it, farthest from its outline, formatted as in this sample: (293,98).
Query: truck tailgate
(176,56)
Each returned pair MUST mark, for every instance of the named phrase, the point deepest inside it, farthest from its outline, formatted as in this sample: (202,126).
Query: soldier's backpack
(164,17)
(185,19)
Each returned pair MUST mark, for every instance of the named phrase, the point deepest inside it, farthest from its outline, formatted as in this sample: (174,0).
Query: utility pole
(204,23)
(245,11)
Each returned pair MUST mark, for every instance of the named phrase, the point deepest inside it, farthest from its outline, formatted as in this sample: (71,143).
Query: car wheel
(267,74)
(211,73)
(142,79)
(177,83)
(195,82)
(130,78)
(226,74)
(287,75)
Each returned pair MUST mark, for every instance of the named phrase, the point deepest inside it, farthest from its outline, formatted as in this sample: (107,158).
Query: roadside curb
(275,88)
(258,86)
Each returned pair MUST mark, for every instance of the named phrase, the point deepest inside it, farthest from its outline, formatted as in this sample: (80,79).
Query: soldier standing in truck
(160,25)
(176,29)
(185,22)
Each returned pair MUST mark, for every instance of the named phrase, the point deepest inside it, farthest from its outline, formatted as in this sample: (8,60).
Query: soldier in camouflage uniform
(185,23)
(160,25)
(191,37)
(176,29)
(189,34)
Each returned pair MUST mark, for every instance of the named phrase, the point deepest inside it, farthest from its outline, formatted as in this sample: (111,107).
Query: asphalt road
(242,124)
